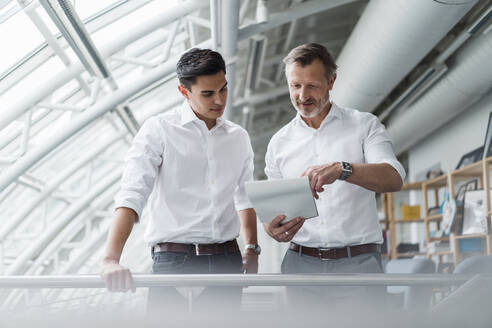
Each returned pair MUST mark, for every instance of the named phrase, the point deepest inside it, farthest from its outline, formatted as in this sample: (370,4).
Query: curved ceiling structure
(84,79)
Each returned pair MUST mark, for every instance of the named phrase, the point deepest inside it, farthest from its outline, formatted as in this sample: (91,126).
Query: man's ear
(332,81)
(182,89)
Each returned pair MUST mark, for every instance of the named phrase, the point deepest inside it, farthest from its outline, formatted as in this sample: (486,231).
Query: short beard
(317,109)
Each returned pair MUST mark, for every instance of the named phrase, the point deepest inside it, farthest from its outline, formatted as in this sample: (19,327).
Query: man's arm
(250,236)
(376,177)
(141,169)
(116,276)
(380,177)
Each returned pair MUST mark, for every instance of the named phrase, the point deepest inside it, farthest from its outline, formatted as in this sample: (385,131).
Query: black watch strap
(346,171)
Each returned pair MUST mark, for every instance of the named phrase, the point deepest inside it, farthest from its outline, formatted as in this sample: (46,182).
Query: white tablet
(290,197)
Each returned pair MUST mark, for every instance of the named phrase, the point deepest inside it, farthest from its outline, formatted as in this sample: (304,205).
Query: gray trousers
(167,300)
(319,298)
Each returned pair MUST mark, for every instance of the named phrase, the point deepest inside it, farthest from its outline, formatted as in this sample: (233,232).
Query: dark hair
(307,53)
(196,62)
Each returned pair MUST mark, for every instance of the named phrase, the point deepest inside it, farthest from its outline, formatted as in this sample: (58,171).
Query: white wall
(463,134)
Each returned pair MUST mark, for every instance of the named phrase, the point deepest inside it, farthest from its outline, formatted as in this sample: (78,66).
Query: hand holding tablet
(290,197)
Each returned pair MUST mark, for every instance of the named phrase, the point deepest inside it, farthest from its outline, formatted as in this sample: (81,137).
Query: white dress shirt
(347,212)
(195,178)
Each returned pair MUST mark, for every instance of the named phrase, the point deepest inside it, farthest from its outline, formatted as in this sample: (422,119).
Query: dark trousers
(166,300)
(336,298)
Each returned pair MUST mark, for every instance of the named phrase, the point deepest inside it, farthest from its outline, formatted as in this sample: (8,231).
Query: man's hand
(283,232)
(321,175)
(250,261)
(116,277)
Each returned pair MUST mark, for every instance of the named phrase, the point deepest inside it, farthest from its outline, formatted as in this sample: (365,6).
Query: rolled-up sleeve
(241,200)
(378,147)
(141,167)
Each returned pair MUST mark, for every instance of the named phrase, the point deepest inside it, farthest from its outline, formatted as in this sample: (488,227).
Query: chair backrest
(475,264)
(415,297)
(410,266)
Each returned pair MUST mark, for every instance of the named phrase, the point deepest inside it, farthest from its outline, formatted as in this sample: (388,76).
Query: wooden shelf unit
(486,241)
(392,221)
(480,170)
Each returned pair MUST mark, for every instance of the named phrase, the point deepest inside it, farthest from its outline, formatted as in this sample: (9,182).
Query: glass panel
(133,20)
(85,9)
(19,36)
(31,82)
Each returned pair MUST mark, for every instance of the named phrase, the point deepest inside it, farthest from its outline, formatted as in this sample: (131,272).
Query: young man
(347,156)
(193,164)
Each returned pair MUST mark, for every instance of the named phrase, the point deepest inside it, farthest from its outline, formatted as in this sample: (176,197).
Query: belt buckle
(197,250)
(321,249)
(198,253)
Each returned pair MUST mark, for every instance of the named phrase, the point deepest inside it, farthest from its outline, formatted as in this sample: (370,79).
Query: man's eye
(207,95)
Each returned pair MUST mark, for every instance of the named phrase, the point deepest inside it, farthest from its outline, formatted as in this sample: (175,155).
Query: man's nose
(303,94)
(220,99)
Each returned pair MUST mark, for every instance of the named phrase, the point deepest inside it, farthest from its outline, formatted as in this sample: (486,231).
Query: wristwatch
(255,247)
(346,171)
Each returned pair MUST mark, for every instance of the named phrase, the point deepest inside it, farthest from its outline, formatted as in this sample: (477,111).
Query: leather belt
(335,253)
(199,249)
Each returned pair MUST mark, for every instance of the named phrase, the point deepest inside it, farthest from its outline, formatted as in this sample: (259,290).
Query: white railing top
(181,280)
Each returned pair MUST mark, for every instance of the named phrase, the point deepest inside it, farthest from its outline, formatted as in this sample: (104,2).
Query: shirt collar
(188,115)
(334,112)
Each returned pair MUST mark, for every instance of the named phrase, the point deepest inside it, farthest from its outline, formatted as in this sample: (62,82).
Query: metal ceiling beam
(12,173)
(9,114)
(215,23)
(76,208)
(302,10)
(50,39)
(230,25)
(43,53)
(9,225)
(70,25)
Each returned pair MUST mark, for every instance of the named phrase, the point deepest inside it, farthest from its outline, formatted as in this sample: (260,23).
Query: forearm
(248,226)
(119,233)
(376,177)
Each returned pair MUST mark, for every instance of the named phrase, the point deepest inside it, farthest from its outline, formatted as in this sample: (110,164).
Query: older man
(347,156)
